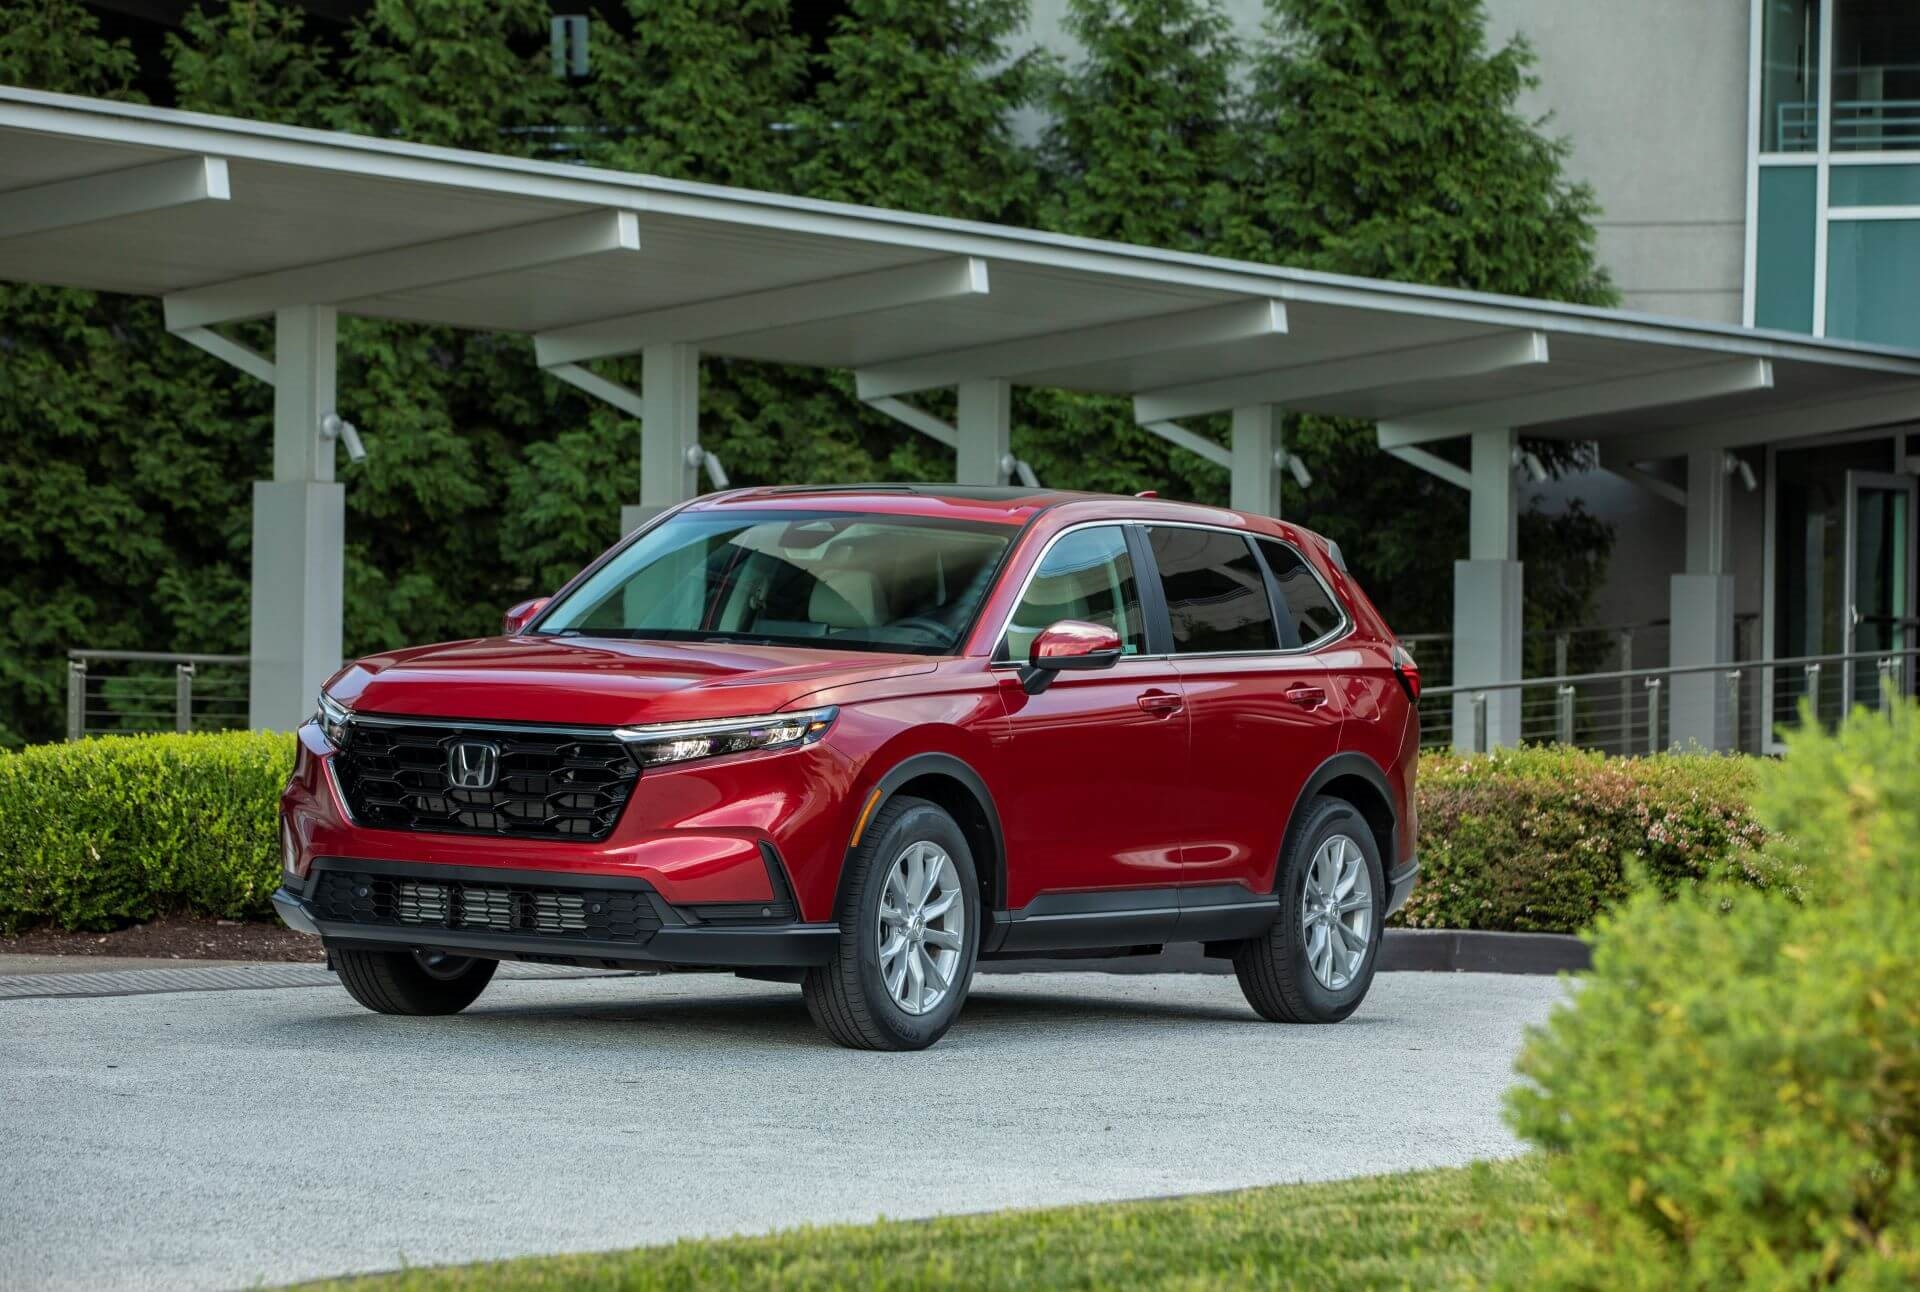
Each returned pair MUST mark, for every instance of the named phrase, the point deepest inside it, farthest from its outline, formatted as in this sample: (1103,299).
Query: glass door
(1880,608)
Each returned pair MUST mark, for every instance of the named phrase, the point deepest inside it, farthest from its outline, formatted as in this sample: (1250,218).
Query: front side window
(1307,610)
(1086,575)
(835,580)
(1216,592)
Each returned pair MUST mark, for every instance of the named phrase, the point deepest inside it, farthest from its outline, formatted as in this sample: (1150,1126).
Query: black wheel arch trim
(913,767)
(1346,763)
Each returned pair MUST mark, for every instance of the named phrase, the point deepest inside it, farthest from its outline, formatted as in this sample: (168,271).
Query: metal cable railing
(147,691)
(1643,710)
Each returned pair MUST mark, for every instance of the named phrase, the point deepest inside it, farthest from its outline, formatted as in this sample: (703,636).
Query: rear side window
(1308,611)
(1216,592)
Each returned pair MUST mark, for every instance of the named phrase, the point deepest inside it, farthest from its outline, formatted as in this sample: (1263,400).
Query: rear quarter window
(1308,612)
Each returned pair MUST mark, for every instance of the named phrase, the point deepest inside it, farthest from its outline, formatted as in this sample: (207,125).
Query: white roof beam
(232,353)
(949,278)
(1435,465)
(1614,463)
(918,419)
(1880,407)
(156,187)
(1674,386)
(1245,320)
(1296,387)
(403,269)
(1176,434)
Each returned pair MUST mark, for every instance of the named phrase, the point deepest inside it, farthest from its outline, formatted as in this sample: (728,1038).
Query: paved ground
(217,1139)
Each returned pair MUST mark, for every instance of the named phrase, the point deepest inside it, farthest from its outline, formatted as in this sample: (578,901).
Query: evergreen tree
(702,90)
(56,45)
(1141,135)
(252,59)
(915,110)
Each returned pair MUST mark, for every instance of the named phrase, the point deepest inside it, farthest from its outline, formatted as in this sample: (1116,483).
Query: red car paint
(1153,772)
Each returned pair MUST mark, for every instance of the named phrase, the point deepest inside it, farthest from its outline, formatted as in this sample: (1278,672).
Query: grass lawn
(1424,1229)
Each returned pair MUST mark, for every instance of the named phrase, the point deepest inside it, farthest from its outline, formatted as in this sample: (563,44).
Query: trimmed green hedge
(105,832)
(1540,839)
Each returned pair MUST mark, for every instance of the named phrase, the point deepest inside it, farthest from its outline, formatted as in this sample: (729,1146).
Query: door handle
(1161,704)
(1307,697)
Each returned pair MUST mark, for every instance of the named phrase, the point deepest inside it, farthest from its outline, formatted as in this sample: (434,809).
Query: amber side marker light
(860,826)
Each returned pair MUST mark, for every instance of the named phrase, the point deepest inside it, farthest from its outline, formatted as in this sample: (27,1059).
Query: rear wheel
(412,982)
(1316,963)
(909,927)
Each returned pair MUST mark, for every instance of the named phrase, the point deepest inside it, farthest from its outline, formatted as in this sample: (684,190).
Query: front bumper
(532,915)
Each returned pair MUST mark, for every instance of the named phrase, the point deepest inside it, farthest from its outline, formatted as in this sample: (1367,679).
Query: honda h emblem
(473,765)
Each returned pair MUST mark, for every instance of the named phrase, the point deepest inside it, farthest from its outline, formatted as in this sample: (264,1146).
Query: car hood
(601,682)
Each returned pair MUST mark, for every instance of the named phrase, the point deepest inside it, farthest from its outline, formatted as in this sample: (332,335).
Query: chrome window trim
(1330,638)
(475,724)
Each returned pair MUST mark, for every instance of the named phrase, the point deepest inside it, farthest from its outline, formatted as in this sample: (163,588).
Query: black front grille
(396,901)
(545,785)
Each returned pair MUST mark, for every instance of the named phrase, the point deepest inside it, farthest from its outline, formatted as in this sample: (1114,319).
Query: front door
(1879,613)
(1091,798)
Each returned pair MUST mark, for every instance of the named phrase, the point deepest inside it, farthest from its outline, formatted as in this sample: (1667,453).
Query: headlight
(335,721)
(677,742)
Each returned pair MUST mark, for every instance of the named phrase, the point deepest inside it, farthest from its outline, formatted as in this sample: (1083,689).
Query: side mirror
(1069,644)
(523,614)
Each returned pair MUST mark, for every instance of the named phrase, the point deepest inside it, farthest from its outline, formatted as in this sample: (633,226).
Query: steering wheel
(937,632)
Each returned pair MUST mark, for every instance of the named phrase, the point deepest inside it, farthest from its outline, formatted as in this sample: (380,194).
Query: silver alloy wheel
(1337,912)
(922,927)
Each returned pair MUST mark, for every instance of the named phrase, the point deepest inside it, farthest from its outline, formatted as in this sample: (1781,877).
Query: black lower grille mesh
(394,901)
(541,785)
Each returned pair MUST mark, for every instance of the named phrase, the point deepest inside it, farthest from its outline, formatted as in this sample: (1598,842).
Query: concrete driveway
(223,1138)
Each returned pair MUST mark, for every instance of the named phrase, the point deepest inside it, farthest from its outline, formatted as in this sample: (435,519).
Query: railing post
(1561,641)
(1479,722)
(183,697)
(1626,691)
(76,698)
(1812,672)
(1733,709)
(1566,712)
(1885,665)
(1653,715)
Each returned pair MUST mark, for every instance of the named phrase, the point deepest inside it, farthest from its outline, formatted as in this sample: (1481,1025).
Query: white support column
(1256,470)
(670,454)
(985,427)
(1700,607)
(1487,590)
(299,531)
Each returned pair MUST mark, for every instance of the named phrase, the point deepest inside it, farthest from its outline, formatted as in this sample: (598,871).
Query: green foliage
(124,484)
(99,833)
(1544,840)
(1422,1229)
(1141,134)
(914,109)
(1733,1097)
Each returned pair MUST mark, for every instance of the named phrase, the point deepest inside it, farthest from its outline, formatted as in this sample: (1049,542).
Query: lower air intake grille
(529,784)
(583,914)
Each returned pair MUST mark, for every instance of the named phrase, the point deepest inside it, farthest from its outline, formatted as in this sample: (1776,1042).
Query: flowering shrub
(1541,839)
(1733,1096)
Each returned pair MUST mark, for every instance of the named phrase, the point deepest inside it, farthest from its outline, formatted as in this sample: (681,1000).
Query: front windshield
(837,580)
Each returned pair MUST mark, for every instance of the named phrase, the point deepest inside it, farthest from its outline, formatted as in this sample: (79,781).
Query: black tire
(405,982)
(1273,969)
(848,996)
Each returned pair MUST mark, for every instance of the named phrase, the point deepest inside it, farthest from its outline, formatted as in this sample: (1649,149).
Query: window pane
(1307,609)
(1783,272)
(1086,575)
(842,581)
(1790,76)
(1876,75)
(1216,594)
(1873,273)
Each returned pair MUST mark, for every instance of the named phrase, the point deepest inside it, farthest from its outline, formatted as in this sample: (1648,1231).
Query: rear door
(1263,715)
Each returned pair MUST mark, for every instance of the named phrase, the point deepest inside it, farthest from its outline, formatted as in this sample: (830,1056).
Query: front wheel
(1316,963)
(412,982)
(909,928)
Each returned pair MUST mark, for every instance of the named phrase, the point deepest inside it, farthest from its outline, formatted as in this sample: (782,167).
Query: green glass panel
(1874,186)
(1783,290)
(1873,278)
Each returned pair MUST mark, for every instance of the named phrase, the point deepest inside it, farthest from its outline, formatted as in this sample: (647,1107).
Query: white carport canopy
(229,220)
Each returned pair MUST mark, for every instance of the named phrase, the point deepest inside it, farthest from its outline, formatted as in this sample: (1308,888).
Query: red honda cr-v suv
(862,738)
